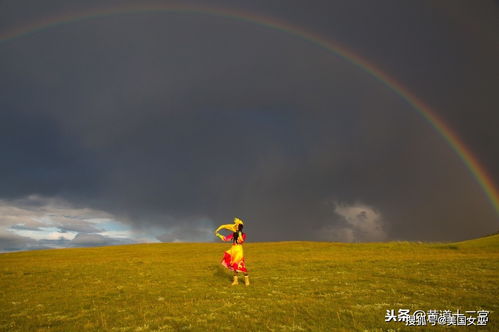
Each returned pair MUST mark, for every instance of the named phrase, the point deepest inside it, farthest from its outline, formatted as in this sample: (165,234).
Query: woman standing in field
(234,257)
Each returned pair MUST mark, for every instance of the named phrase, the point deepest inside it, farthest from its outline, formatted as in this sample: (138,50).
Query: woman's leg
(235,282)
(246,279)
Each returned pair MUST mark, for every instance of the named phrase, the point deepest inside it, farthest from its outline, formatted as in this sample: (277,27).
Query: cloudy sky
(159,126)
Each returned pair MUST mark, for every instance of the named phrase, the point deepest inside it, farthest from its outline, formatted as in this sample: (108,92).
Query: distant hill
(490,241)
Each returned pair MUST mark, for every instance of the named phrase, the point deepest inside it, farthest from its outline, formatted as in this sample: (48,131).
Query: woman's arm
(225,238)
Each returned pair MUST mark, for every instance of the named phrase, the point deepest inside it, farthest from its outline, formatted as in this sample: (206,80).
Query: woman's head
(240,227)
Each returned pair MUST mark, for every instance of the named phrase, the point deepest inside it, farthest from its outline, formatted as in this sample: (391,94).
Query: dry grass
(296,286)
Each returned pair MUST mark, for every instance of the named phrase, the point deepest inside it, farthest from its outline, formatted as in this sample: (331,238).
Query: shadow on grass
(221,272)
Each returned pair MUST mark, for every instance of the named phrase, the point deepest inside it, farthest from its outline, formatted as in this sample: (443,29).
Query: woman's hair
(235,236)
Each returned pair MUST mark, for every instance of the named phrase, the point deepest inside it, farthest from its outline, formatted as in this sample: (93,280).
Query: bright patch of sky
(44,233)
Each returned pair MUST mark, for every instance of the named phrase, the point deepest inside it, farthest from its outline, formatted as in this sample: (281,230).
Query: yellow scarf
(231,227)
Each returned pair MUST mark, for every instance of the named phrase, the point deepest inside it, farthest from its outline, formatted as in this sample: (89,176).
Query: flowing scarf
(231,227)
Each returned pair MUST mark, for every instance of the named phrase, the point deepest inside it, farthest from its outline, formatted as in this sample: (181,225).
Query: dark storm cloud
(187,233)
(185,121)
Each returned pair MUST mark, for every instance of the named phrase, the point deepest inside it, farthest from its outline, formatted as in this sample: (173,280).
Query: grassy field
(295,286)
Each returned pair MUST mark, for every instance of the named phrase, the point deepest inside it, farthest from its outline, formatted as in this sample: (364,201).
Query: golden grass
(295,286)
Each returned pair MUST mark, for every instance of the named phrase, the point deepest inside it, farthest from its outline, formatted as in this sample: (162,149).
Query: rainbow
(477,171)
